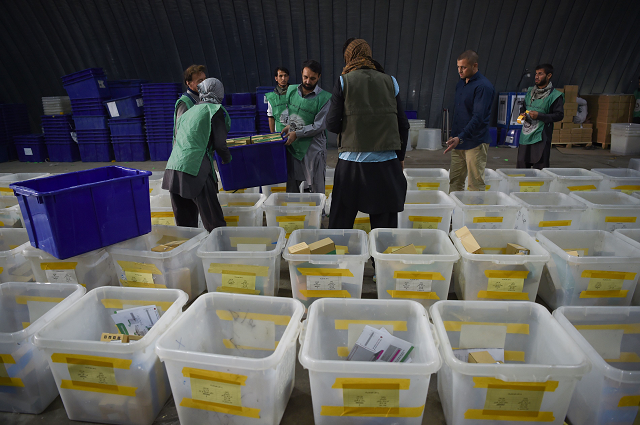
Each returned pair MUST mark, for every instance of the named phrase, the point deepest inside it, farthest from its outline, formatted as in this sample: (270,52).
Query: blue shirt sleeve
(341,83)
(481,109)
(395,86)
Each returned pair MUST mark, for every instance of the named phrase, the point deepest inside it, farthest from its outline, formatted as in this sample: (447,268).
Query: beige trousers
(469,162)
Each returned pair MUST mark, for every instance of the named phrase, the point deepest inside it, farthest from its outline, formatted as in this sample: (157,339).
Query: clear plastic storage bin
(605,273)
(10,215)
(609,210)
(162,211)
(426,210)
(632,237)
(6,180)
(492,181)
(274,188)
(524,180)
(293,211)
(625,180)
(427,179)
(495,275)
(91,270)
(178,268)
(242,209)
(484,210)
(13,266)
(109,382)
(567,180)
(155,183)
(425,276)
(236,361)
(243,260)
(609,338)
(363,393)
(320,276)
(27,383)
(542,364)
(548,211)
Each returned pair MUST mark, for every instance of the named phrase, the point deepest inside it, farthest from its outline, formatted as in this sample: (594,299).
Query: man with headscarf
(307,107)
(373,130)
(189,175)
(546,106)
(277,99)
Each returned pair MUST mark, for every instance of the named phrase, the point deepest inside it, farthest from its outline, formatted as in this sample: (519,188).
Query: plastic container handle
(416,262)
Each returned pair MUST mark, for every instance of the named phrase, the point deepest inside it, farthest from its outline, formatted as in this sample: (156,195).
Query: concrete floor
(299,410)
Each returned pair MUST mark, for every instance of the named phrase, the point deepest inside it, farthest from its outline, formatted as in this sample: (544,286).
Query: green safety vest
(636,109)
(532,133)
(187,101)
(303,112)
(278,106)
(192,138)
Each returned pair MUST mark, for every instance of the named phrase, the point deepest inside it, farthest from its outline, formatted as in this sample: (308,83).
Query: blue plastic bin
(74,213)
(243,124)
(90,122)
(260,164)
(87,107)
(127,151)
(125,107)
(411,115)
(493,133)
(126,127)
(31,148)
(124,88)
(96,151)
(82,85)
(63,151)
(159,151)
(241,99)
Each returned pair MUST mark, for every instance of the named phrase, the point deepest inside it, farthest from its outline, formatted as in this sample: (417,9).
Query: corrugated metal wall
(591,43)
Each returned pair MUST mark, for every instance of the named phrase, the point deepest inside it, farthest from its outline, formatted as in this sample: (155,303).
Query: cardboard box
(300,248)
(589,125)
(565,132)
(167,246)
(576,131)
(468,241)
(324,246)
(481,357)
(515,249)
(408,249)
(570,93)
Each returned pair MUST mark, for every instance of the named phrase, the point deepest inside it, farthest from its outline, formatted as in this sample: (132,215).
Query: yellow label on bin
(428,186)
(627,188)
(165,218)
(487,219)
(241,204)
(5,379)
(139,272)
(139,277)
(516,175)
(232,220)
(277,189)
(216,391)
(312,271)
(582,188)
(328,188)
(530,186)
(370,397)
(425,222)
(239,280)
(298,204)
(93,373)
(506,280)
(291,222)
(362,223)
(487,187)
(238,268)
(556,223)
(103,375)
(617,219)
(604,284)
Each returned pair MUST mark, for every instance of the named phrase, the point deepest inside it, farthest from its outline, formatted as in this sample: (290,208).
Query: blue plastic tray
(159,151)
(65,151)
(130,151)
(90,122)
(31,151)
(241,99)
(90,86)
(125,107)
(124,88)
(74,213)
(242,124)
(126,127)
(96,151)
(260,164)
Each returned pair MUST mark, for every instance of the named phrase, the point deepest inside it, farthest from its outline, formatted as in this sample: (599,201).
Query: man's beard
(309,87)
(543,83)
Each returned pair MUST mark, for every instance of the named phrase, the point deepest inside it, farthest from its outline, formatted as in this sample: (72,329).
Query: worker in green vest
(543,105)
(307,107)
(366,112)
(636,109)
(277,99)
(193,76)
(189,176)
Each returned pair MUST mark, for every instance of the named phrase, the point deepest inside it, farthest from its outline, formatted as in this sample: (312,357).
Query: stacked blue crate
(57,135)
(243,120)
(128,139)
(262,121)
(14,121)
(31,148)
(87,90)
(124,88)
(159,106)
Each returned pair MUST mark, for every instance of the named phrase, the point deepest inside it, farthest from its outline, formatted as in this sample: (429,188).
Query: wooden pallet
(571,144)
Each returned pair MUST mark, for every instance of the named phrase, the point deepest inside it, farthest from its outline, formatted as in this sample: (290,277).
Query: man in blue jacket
(470,128)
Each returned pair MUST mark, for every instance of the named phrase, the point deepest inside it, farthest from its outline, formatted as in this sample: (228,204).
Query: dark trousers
(206,203)
(347,217)
(536,156)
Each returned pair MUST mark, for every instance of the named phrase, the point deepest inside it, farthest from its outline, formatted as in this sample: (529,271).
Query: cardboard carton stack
(606,109)
(566,132)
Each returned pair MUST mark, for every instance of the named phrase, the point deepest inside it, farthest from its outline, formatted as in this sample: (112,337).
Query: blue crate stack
(127,129)
(14,121)
(159,105)
(242,112)
(31,148)
(87,90)
(57,135)
(262,121)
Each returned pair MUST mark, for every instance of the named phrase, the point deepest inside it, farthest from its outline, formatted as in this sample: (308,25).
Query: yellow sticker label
(530,186)
(3,371)
(428,186)
(71,265)
(139,277)
(328,188)
(516,175)
(362,223)
(291,222)
(103,375)
(244,240)
(131,284)
(132,266)
(360,397)
(298,204)
(487,219)
(241,204)
(505,284)
(232,220)
(627,188)
(513,400)
(163,218)
(586,187)
(614,219)
(6,191)
(309,271)
(604,284)
(239,280)
(487,187)
(216,391)
(239,268)
(425,222)
(278,189)
(556,223)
